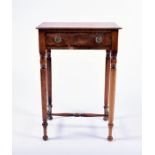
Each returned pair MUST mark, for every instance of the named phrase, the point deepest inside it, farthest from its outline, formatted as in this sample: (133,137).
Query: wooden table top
(78,25)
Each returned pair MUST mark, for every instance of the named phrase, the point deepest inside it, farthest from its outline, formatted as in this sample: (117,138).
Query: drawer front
(94,40)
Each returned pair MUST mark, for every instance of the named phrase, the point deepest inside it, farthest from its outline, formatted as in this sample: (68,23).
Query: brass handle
(99,39)
(58,39)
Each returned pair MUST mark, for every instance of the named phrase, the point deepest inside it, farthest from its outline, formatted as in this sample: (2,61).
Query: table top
(78,25)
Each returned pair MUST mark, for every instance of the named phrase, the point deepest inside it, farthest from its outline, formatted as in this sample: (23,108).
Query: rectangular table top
(78,25)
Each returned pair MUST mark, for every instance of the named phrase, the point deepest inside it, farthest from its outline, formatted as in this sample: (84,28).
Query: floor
(76,136)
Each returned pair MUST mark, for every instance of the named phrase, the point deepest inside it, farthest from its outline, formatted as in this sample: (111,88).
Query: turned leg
(43,74)
(112,94)
(106,92)
(49,85)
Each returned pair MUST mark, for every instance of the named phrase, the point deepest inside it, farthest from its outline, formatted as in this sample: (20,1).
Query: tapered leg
(43,74)
(49,84)
(106,92)
(112,94)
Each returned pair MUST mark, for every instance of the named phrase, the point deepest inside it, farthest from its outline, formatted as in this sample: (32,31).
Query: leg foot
(110,138)
(45,138)
(44,124)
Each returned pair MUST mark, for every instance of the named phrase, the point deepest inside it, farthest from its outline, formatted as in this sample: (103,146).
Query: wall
(78,76)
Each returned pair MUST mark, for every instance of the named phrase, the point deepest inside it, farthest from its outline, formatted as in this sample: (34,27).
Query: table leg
(43,74)
(106,92)
(49,84)
(112,93)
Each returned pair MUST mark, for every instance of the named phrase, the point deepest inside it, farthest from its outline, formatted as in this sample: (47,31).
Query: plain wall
(78,76)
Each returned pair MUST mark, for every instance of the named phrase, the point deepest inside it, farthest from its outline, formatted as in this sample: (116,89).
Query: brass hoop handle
(58,39)
(99,39)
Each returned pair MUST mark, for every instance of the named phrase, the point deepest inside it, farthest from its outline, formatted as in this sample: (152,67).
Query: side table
(87,35)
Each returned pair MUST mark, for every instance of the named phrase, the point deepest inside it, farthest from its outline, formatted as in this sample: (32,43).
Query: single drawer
(93,40)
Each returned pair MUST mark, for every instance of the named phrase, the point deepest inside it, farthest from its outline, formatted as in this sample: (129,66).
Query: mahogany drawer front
(94,40)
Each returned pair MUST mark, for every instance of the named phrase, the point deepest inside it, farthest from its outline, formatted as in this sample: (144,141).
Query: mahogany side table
(98,36)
